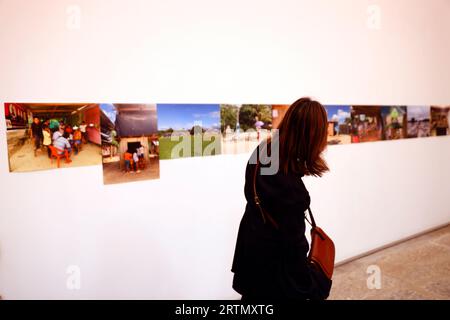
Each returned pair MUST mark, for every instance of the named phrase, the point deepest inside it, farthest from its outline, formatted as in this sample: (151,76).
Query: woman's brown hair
(303,137)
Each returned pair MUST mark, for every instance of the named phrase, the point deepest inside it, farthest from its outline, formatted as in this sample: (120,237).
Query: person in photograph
(271,254)
(128,159)
(70,138)
(136,161)
(77,139)
(83,131)
(58,133)
(141,155)
(47,139)
(63,146)
(155,147)
(36,134)
(68,129)
(114,141)
(394,129)
(13,114)
(141,152)
(361,132)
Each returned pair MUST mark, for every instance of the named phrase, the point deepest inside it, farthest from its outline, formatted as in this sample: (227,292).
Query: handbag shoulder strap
(264,214)
(312,223)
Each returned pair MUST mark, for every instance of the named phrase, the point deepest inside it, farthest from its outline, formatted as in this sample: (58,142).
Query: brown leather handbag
(322,251)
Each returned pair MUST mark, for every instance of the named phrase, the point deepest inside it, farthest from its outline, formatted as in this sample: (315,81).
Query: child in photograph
(47,140)
(128,158)
(68,129)
(69,137)
(136,161)
(141,152)
(77,139)
(155,144)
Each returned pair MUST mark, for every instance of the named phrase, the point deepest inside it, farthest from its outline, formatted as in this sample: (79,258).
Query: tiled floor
(416,269)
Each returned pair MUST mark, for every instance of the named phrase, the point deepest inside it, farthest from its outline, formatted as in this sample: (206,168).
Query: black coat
(271,263)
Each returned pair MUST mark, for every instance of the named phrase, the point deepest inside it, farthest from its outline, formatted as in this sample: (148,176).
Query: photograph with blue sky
(109,110)
(185,116)
(188,130)
(338,113)
(339,124)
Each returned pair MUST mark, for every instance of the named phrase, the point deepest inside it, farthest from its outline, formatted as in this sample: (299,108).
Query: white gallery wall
(174,238)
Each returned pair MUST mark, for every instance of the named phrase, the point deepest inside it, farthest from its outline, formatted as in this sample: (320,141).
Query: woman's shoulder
(277,181)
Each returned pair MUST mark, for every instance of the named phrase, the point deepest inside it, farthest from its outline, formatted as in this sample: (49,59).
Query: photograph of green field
(167,146)
(188,130)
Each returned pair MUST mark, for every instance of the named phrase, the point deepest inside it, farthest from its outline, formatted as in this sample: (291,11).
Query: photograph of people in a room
(130,146)
(440,120)
(44,136)
(188,130)
(394,122)
(339,124)
(367,124)
(418,121)
(244,126)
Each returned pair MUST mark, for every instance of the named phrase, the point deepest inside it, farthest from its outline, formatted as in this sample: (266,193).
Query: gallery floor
(415,269)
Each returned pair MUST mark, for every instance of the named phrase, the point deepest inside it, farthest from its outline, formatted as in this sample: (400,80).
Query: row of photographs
(130,139)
